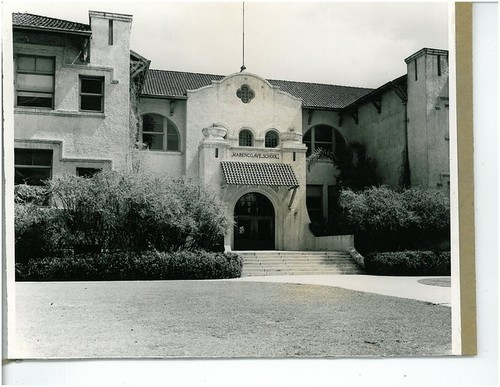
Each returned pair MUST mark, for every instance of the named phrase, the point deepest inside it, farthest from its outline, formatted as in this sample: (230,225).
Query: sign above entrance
(256,155)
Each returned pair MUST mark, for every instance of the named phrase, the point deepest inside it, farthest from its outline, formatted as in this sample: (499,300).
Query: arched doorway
(254,223)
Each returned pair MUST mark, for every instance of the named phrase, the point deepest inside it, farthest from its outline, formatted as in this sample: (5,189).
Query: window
(314,202)
(271,139)
(159,133)
(32,166)
(87,172)
(321,136)
(245,93)
(245,138)
(92,94)
(35,81)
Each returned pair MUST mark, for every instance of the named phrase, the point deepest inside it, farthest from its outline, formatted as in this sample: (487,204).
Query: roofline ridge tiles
(186,72)
(82,25)
(270,80)
(321,84)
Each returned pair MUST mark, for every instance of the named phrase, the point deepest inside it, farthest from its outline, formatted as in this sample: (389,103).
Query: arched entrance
(254,223)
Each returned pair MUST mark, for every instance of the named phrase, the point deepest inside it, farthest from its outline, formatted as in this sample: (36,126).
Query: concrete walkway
(428,289)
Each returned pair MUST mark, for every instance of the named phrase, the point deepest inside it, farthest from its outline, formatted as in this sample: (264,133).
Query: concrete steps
(266,263)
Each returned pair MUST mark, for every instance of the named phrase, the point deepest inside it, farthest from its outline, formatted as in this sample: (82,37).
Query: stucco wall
(218,103)
(383,135)
(83,134)
(428,121)
(323,172)
(170,163)
(60,164)
(270,108)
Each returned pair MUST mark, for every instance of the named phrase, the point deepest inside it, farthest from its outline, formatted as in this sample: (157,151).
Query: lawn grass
(222,319)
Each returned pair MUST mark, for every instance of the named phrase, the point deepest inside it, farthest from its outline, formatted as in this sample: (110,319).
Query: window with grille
(159,133)
(245,138)
(92,94)
(271,139)
(245,93)
(319,137)
(35,81)
(32,166)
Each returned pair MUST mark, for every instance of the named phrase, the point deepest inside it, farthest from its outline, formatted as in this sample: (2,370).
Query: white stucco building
(84,100)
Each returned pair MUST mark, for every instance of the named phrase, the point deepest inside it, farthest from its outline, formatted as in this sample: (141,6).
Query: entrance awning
(268,174)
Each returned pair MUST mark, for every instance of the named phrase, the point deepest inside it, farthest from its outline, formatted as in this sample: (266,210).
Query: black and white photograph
(230,180)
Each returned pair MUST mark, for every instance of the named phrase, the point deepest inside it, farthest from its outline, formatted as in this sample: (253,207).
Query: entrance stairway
(266,263)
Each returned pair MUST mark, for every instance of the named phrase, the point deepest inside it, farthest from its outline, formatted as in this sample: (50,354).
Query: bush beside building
(393,229)
(127,215)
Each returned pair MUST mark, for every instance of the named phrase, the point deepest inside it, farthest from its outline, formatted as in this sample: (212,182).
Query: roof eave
(426,50)
(57,30)
(376,92)
(323,108)
(163,96)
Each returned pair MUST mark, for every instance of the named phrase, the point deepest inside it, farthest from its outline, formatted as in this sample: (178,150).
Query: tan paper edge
(463,28)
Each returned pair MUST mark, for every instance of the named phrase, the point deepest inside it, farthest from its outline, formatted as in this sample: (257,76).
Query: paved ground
(225,318)
(436,290)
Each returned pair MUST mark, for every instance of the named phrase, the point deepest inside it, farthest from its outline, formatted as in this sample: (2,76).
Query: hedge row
(118,211)
(414,263)
(383,219)
(132,266)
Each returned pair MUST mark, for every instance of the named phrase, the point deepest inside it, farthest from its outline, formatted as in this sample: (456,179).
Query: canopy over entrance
(267,174)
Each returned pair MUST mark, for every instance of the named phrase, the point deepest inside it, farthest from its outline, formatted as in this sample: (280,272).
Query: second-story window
(35,81)
(159,133)
(245,138)
(272,139)
(319,137)
(91,94)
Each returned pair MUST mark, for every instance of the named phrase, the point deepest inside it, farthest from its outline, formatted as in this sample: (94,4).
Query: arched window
(320,137)
(159,133)
(245,138)
(272,139)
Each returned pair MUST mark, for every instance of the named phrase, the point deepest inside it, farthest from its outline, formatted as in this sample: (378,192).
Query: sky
(353,44)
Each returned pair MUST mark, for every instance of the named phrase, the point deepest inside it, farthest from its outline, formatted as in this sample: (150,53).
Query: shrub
(386,220)
(117,211)
(151,265)
(408,263)
(30,194)
(39,231)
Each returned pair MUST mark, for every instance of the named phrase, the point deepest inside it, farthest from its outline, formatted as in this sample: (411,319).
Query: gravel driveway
(221,319)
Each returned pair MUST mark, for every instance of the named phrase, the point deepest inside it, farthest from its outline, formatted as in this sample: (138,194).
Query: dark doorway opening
(254,223)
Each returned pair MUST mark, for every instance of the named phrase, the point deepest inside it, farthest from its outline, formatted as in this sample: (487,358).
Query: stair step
(263,263)
(299,264)
(305,272)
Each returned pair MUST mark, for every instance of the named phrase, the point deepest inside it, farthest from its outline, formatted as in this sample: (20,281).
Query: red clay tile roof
(162,83)
(319,95)
(28,20)
(246,173)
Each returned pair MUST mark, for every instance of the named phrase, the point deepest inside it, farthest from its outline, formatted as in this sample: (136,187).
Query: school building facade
(85,102)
